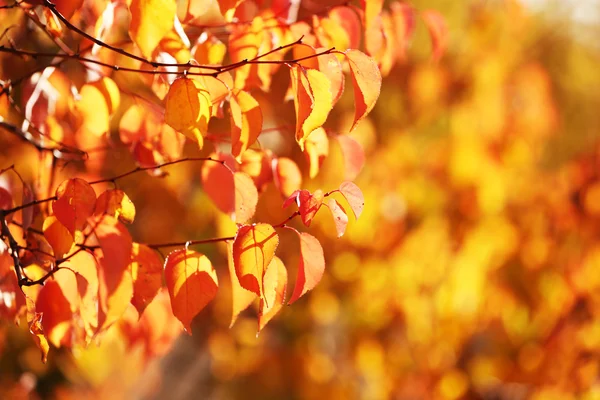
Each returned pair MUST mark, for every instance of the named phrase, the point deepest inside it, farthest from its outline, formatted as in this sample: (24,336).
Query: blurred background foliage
(473,273)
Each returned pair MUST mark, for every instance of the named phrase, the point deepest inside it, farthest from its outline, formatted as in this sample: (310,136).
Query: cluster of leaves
(148,71)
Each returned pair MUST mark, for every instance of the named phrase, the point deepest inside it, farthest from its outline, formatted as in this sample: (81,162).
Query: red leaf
(354,196)
(436,24)
(339,216)
(366,80)
(312,265)
(74,204)
(309,205)
(253,249)
(192,283)
(277,278)
(6,201)
(146,272)
(354,156)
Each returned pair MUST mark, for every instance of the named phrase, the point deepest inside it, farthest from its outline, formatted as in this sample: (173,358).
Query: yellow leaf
(246,121)
(151,20)
(312,99)
(188,108)
(253,249)
(192,283)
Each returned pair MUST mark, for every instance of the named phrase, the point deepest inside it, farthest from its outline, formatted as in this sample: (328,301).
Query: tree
(84,79)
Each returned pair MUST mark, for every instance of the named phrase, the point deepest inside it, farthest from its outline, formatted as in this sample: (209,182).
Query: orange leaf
(188,108)
(97,102)
(316,149)
(312,265)
(116,286)
(257,164)
(366,80)
(286,175)
(146,272)
(233,193)
(253,249)
(403,16)
(246,122)
(227,6)
(56,313)
(192,283)
(151,20)
(242,298)
(117,204)
(36,329)
(328,64)
(340,218)
(67,7)
(354,156)
(438,30)
(143,126)
(312,100)
(74,204)
(58,236)
(277,278)
(86,272)
(354,196)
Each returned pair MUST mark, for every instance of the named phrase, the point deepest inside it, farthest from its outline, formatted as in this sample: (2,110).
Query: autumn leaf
(253,249)
(354,156)
(6,200)
(316,149)
(277,279)
(286,175)
(234,193)
(75,202)
(308,203)
(312,265)
(97,102)
(438,30)
(312,100)
(57,235)
(146,272)
(86,271)
(36,329)
(354,196)
(188,108)
(340,218)
(241,298)
(151,20)
(116,286)
(56,314)
(192,283)
(403,16)
(257,164)
(366,80)
(246,122)
(116,203)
